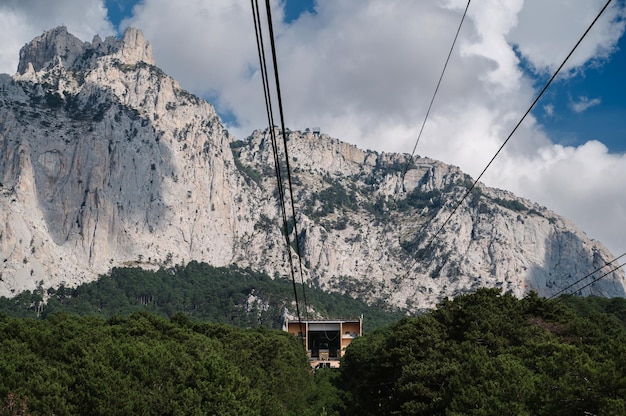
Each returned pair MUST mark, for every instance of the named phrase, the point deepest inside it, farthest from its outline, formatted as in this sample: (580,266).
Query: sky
(364,71)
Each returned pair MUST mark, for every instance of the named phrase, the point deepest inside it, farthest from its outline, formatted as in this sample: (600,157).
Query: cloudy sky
(364,71)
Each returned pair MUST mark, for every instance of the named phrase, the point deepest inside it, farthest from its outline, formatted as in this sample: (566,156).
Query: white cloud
(583,103)
(547,31)
(364,71)
(549,109)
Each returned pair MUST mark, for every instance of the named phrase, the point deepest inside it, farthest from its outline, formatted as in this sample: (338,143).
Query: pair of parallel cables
(261,52)
(275,151)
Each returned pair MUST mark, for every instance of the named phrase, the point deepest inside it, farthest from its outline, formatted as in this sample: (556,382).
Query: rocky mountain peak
(44,49)
(135,48)
(105,161)
(58,46)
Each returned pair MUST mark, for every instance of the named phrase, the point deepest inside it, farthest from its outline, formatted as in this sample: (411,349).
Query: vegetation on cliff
(228,295)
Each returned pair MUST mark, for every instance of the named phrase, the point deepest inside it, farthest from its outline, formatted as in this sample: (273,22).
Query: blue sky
(118,10)
(364,72)
(604,84)
(294,8)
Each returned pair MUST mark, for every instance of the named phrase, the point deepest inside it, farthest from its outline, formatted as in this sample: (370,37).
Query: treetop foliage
(492,354)
(145,364)
(485,353)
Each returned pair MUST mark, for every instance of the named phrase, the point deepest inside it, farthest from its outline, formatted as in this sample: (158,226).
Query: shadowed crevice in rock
(559,271)
(89,179)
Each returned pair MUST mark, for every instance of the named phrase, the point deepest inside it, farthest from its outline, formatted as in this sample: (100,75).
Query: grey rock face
(56,44)
(369,232)
(58,47)
(105,161)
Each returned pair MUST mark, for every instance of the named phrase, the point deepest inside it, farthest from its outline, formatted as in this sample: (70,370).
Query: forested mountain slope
(227,295)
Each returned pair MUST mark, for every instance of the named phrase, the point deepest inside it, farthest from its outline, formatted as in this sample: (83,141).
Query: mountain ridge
(107,161)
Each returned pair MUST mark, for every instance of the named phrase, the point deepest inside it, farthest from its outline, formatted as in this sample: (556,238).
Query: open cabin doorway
(324,344)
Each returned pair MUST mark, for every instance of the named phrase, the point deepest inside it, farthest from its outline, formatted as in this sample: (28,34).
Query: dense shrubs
(229,295)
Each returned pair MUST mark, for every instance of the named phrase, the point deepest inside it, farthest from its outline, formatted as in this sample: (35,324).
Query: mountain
(105,161)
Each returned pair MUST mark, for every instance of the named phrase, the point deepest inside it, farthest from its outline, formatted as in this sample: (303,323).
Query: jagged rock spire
(44,49)
(57,45)
(135,48)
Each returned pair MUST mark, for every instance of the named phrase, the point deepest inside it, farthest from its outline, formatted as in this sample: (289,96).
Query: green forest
(492,354)
(200,291)
(485,353)
(145,364)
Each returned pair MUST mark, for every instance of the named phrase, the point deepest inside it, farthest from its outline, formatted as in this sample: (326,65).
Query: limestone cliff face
(105,161)
(367,231)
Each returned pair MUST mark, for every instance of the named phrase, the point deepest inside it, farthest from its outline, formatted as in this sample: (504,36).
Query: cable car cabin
(325,340)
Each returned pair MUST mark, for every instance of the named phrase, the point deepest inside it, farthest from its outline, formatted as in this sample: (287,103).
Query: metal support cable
(601,277)
(268,105)
(590,274)
(543,90)
(288,168)
(432,100)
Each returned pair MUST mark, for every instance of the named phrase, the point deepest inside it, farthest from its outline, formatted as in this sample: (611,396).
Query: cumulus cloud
(583,103)
(547,31)
(364,71)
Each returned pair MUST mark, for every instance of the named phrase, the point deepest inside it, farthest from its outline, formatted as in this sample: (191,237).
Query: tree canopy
(145,364)
(229,295)
(485,353)
(491,354)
